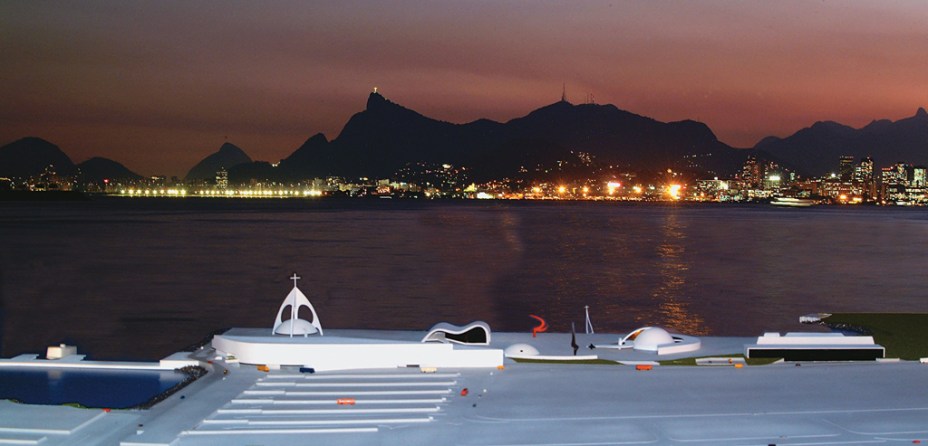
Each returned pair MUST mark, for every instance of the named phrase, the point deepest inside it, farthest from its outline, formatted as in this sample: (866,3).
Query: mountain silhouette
(261,171)
(815,150)
(97,169)
(228,156)
(30,156)
(386,136)
(305,160)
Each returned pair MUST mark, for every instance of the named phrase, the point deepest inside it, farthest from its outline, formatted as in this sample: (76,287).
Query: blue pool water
(106,388)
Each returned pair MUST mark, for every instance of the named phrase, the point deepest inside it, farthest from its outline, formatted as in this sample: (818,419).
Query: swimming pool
(92,388)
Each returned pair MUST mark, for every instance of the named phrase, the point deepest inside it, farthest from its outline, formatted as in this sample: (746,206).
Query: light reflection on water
(673,266)
(142,279)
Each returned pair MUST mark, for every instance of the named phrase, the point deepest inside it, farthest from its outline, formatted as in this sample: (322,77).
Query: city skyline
(162,85)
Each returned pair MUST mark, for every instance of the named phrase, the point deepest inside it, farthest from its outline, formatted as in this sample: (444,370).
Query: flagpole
(589,324)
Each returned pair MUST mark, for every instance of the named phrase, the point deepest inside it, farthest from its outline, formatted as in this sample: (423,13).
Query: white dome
(652,337)
(519,350)
(300,327)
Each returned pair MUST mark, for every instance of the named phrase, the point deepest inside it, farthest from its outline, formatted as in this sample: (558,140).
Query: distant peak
(375,100)
(560,105)
(826,125)
(227,146)
(921,113)
(30,140)
(318,138)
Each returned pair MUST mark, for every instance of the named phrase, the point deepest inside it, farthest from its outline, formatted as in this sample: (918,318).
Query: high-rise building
(919,174)
(889,175)
(846,167)
(903,173)
(864,171)
(895,181)
(864,180)
(222,179)
(751,172)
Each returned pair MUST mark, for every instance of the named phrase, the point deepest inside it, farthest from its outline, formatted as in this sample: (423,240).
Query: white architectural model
(657,340)
(296,326)
(290,344)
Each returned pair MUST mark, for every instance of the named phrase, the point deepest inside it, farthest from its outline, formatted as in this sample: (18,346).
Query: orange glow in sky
(159,85)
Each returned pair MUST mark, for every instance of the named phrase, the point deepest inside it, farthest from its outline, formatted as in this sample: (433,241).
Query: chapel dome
(652,337)
(519,350)
(296,327)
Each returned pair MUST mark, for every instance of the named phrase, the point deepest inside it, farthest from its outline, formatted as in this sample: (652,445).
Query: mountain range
(386,137)
(30,156)
(815,150)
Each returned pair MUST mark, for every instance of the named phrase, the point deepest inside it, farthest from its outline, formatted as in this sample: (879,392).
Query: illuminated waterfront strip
(212,193)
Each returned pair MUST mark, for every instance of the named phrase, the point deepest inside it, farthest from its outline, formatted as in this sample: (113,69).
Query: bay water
(143,278)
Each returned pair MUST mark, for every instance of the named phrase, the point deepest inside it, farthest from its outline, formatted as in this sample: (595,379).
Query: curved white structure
(650,338)
(337,352)
(296,326)
(658,340)
(256,346)
(474,333)
(520,351)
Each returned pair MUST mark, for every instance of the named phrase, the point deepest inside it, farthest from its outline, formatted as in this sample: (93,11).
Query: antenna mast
(589,324)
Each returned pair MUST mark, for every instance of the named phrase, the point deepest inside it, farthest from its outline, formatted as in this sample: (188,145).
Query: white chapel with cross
(296,326)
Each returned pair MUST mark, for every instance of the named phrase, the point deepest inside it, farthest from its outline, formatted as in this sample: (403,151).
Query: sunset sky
(159,85)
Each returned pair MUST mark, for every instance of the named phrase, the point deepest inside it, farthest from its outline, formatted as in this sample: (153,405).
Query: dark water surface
(134,279)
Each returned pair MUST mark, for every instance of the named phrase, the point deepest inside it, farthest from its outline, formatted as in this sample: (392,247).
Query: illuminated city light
(612,186)
(761,184)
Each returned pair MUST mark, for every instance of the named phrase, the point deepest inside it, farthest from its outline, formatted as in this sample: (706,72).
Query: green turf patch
(554,361)
(692,361)
(905,335)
